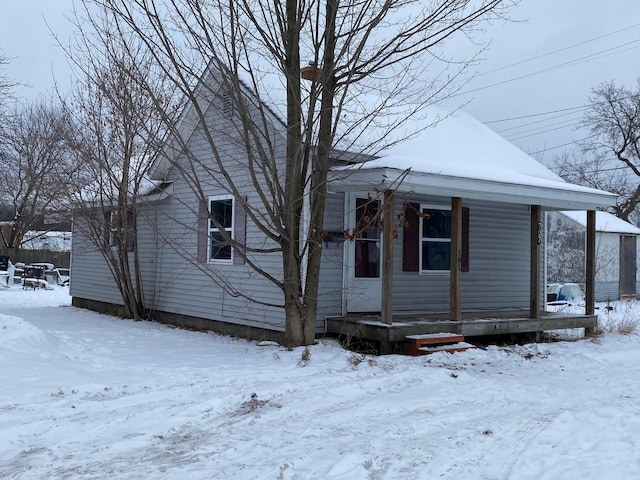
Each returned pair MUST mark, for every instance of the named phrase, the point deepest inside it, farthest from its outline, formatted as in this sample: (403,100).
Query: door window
(367,239)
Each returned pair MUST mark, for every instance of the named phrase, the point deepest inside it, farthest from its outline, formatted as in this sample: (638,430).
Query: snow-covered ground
(89,396)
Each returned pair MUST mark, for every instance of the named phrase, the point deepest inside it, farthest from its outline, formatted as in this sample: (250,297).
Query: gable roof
(605,222)
(460,156)
(212,80)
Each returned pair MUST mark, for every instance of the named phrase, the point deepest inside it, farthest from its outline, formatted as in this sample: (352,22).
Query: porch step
(451,348)
(435,342)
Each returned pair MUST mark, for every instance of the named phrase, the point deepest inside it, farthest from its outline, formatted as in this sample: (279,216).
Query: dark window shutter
(131,238)
(411,240)
(465,240)
(240,229)
(203,232)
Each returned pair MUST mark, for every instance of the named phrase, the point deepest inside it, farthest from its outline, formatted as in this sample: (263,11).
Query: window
(427,238)
(220,228)
(367,239)
(116,225)
(435,239)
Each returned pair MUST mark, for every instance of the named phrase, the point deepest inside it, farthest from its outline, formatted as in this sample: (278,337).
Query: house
(455,188)
(616,253)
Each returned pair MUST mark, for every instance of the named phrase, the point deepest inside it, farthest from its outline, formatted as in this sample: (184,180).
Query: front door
(627,265)
(364,283)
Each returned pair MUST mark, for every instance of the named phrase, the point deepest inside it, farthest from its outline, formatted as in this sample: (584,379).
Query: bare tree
(610,158)
(115,133)
(6,84)
(32,152)
(371,65)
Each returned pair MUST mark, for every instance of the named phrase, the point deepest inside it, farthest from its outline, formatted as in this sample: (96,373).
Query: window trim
(212,229)
(112,232)
(422,239)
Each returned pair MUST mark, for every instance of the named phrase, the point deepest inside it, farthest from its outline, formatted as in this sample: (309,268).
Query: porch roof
(558,195)
(605,223)
(461,157)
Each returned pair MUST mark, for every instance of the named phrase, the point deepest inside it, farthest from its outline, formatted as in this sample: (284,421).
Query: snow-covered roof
(605,222)
(460,156)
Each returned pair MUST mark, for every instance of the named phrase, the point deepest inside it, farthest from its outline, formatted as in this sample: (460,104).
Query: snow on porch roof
(605,222)
(463,157)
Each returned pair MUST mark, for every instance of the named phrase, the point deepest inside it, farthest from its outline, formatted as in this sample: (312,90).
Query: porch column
(455,310)
(386,306)
(590,264)
(536,245)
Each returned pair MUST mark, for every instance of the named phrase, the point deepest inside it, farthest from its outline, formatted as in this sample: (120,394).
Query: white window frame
(212,229)
(112,229)
(422,239)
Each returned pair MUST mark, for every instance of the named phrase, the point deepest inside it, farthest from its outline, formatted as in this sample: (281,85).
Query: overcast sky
(539,70)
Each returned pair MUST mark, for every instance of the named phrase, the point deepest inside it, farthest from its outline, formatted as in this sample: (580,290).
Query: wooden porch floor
(474,324)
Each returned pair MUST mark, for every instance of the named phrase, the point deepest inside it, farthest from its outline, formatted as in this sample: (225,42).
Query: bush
(623,318)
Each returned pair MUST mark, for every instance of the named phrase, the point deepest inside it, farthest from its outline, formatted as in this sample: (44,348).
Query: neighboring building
(47,240)
(616,253)
(459,171)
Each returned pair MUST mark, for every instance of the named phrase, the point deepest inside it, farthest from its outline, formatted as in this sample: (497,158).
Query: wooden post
(536,245)
(590,264)
(455,309)
(386,307)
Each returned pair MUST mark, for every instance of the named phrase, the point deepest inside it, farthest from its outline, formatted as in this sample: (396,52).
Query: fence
(59,259)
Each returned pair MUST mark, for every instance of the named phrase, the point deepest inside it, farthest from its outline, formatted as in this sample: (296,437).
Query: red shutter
(411,240)
(240,228)
(465,240)
(203,232)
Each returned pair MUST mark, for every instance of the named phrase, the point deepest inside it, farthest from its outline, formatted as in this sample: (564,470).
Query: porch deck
(474,324)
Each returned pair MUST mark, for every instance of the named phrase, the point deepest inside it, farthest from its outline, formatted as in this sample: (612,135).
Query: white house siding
(188,288)
(331,271)
(181,285)
(91,278)
(90,275)
(498,256)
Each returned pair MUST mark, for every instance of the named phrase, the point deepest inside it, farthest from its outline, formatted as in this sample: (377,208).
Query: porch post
(386,306)
(455,310)
(590,264)
(536,244)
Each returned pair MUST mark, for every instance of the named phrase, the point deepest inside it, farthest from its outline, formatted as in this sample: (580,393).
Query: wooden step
(450,348)
(434,342)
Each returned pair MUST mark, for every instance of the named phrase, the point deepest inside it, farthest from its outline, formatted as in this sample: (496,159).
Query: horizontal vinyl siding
(187,287)
(174,281)
(498,276)
(331,270)
(90,275)
(190,288)
(606,291)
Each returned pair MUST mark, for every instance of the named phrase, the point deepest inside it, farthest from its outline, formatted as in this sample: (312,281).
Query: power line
(609,51)
(544,120)
(559,50)
(537,114)
(511,139)
(558,146)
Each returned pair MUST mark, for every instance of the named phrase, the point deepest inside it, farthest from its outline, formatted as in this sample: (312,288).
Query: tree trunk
(319,176)
(294,185)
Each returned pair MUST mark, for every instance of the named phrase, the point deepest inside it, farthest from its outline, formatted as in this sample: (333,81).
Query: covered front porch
(494,241)
(388,328)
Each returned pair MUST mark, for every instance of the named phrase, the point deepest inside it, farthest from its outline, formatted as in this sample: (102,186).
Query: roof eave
(431,184)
